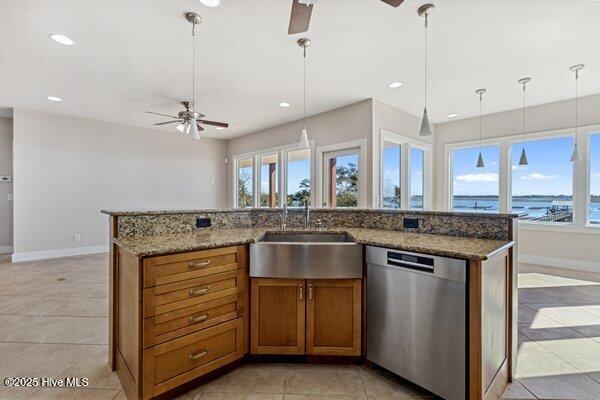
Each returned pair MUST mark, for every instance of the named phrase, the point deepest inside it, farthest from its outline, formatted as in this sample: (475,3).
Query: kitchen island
(166,274)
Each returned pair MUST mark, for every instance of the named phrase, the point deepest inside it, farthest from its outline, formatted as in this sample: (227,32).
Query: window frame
(581,175)
(406,144)
(361,144)
(282,158)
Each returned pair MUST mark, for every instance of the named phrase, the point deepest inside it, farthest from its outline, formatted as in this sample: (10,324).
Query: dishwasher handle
(411,265)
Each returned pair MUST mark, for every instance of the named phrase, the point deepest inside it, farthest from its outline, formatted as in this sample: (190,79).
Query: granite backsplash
(484,226)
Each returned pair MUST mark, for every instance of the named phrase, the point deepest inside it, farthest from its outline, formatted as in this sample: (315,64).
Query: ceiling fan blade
(169,122)
(214,123)
(164,115)
(300,17)
(393,3)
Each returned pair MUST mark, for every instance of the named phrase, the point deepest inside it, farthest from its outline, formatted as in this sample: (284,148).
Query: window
(391,175)
(417,163)
(594,208)
(245,183)
(298,177)
(476,189)
(543,189)
(341,173)
(269,193)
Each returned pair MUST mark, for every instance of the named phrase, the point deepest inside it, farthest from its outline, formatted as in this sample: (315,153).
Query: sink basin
(306,256)
(306,238)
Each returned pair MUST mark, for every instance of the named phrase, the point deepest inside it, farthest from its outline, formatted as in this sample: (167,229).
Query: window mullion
(580,181)
(505,177)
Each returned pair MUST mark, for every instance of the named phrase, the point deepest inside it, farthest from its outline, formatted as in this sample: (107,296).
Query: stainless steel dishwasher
(416,318)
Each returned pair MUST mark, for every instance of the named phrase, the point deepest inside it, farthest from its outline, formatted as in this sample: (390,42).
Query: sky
(549,170)
(391,170)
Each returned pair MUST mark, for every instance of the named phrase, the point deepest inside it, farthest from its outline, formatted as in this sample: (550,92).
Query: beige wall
(340,125)
(555,244)
(67,169)
(362,120)
(6,214)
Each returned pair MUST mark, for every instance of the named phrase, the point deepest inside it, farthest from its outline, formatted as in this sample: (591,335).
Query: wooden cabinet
(277,316)
(333,317)
(314,317)
(177,317)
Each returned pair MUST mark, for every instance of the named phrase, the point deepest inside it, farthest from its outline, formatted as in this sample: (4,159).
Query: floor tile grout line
(530,392)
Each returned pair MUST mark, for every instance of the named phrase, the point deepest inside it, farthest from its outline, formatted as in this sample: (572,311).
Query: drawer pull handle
(198,265)
(199,318)
(310,292)
(301,292)
(198,355)
(199,292)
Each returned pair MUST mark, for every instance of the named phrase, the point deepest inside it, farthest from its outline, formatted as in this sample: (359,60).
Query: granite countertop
(467,248)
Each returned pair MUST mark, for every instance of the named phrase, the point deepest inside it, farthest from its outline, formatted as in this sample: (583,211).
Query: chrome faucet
(306,214)
(284,215)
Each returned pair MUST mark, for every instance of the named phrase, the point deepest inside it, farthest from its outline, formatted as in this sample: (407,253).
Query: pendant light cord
(426,29)
(304,83)
(523,116)
(480,107)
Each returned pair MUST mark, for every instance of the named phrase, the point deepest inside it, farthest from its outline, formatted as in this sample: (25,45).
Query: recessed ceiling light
(53,98)
(395,85)
(219,128)
(453,115)
(62,39)
(211,3)
(284,105)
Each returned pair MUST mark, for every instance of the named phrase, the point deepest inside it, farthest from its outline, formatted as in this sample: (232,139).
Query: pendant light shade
(523,158)
(425,125)
(576,155)
(304,139)
(303,144)
(480,163)
(424,12)
(194,134)
(480,92)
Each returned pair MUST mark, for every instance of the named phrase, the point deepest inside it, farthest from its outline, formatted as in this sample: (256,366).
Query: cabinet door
(277,316)
(333,319)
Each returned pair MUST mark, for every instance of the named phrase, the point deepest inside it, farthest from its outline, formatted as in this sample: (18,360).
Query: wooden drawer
(178,267)
(178,361)
(174,296)
(164,327)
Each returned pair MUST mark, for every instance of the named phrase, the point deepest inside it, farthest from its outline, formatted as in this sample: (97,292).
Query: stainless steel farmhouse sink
(306,256)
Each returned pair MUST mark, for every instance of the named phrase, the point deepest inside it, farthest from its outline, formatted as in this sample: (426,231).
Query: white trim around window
(581,175)
(406,144)
(361,145)
(282,154)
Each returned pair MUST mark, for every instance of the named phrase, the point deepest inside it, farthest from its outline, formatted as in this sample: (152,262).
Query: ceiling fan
(184,118)
(302,10)
(190,121)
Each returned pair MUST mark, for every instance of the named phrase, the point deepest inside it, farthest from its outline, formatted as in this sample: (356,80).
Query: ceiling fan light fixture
(211,3)
(193,132)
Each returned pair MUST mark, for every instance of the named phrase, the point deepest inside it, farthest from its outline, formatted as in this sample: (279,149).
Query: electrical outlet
(76,237)
(203,222)
(410,223)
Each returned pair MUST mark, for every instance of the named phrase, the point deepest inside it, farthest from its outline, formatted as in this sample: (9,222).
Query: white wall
(67,169)
(576,247)
(6,214)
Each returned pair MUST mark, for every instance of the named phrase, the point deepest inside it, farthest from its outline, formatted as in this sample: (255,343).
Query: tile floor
(53,323)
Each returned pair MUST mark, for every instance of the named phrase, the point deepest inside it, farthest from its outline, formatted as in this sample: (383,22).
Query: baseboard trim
(6,249)
(58,253)
(589,266)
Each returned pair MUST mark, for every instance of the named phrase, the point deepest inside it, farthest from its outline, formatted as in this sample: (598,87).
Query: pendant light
(576,156)
(193,133)
(480,92)
(523,158)
(424,11)
(304,43)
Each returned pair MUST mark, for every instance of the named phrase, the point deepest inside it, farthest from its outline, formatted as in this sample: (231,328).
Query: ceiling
(131,56)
